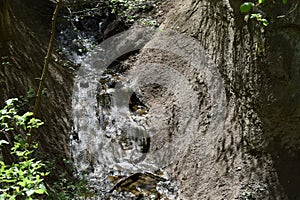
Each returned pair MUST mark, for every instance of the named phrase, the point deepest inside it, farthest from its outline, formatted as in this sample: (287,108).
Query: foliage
(69,189)
(65,187)
(23,178)
(128,9)
(247,7)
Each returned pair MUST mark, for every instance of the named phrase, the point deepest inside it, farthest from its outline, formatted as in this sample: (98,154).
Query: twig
(6,135)
(45,67)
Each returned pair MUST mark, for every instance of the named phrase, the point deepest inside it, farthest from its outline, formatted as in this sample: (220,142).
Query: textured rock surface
(262,96)
(25,33)
(236,166)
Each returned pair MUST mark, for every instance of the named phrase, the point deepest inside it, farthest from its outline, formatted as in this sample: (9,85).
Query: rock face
(260,85)
(24,37)
(262,103)
(261,107)
(281,97)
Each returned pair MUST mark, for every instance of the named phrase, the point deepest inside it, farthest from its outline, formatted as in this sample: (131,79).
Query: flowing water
(111,138)
(121,144)
(110,135)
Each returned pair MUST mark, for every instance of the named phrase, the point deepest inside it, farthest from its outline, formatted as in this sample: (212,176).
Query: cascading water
(111,137)
(121,147)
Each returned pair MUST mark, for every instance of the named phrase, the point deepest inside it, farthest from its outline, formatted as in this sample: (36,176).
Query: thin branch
(45,67)
(6,136)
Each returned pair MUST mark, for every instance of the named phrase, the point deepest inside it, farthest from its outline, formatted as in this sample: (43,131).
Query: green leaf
(40,191)
(246,7)
(3,142)
(256,16)
(22,183)
(265,22)
(284,1)
(261,1)
(10,101)
(30,192)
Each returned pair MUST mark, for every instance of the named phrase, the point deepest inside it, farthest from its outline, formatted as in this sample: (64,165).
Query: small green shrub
(65,189)
(247,7)
(24,177)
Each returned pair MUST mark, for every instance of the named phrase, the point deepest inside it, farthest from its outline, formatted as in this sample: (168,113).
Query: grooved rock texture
(260,71)
(237,166)
(25,33)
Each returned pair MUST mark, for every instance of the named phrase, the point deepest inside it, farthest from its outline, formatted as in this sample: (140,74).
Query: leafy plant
(69,189)
(128,9)
(24,177)
(259,18)
(247,7)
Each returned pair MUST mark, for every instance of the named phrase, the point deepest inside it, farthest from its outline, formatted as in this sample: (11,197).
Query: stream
(111,137)
(125,133)
(121,143)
